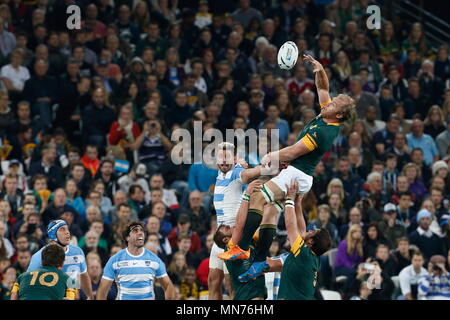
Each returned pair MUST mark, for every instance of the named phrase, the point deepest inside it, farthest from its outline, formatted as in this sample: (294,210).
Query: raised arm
(241,216)
(290,217)
(301,223)
(322,84)
(298,149)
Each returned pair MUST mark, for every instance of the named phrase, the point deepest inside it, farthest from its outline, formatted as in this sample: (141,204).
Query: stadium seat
(336,281)
(332,257)
(330,295)
(397,291)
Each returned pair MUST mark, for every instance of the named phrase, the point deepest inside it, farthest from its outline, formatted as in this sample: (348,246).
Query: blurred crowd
(86,119)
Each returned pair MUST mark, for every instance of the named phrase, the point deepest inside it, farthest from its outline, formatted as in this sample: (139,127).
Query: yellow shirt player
(47,282)
(299,272)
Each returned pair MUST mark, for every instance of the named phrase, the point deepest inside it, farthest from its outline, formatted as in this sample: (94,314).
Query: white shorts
(214,261)
(284,179)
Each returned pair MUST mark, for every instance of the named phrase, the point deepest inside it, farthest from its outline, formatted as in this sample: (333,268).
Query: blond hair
(354,244)
(348,110)
(411,165)
(336,181)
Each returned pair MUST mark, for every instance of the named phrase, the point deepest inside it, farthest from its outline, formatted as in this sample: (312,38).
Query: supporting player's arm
(290,217)
(301,223)
(169,289)
(241,216)
(86,285)
(103,289)
(322,83)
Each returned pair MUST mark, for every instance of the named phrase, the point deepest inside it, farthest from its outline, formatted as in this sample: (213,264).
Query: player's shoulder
(74,250)
(151,256)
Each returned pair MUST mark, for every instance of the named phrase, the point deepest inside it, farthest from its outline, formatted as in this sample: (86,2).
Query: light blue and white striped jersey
(434,287)
(134,275)
(227,195)
(74,263)
(273,279)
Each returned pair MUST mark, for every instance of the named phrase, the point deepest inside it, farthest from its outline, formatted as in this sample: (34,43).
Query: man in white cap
(426,240)
(391,227)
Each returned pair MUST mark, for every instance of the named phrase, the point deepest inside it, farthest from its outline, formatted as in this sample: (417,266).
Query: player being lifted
(312,143)
(227,197)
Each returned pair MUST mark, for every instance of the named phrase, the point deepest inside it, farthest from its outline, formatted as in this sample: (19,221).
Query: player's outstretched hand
(317,66)
(292,190)
(254,186)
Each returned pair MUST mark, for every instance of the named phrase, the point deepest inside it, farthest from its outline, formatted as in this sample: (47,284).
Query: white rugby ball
(287,55)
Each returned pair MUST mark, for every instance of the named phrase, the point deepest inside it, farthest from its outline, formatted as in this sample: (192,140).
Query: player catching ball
(312,143)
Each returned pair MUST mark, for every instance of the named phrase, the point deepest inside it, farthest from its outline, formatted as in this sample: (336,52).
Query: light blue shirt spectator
(283,129)
(426,143)
(201,177)
(78,204)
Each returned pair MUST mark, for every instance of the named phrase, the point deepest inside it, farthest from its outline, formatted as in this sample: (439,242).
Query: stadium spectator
(350,253)
(426,240)
(410,276)
(417,139)
(434,286)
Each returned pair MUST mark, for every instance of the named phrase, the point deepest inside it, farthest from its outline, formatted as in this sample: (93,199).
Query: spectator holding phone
(436,285)
(152,146)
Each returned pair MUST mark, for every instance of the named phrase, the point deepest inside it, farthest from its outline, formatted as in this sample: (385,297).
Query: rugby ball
(287,55)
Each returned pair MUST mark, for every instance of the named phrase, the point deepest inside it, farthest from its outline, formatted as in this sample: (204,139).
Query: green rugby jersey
(247,290)
(299,273)
(45,283)
(318,136)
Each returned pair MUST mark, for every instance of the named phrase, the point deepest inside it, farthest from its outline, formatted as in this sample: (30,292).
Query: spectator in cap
(428,242)
(111,84)
(390,226)
(137,175)
(440,168)
(436,285)
(184,227)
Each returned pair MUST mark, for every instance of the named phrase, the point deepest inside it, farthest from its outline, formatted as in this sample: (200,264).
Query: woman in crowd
(350,253)
(416,184)
(177,267)
(434,123)
(372,239)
